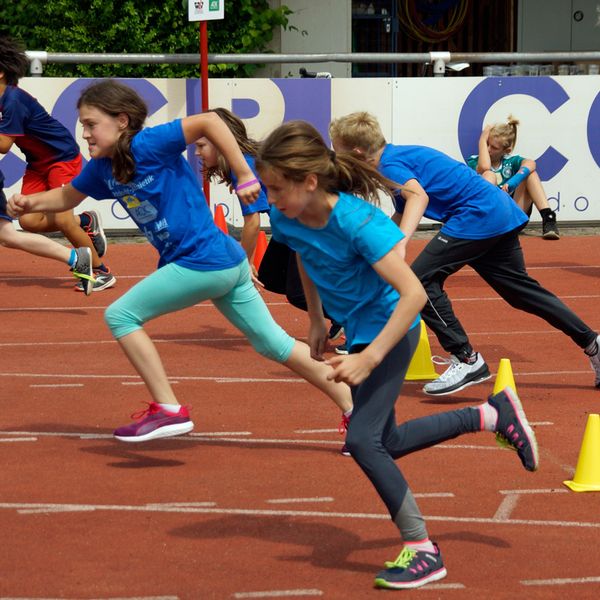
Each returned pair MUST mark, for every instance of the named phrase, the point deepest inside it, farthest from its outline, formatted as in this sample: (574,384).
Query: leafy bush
(140,27)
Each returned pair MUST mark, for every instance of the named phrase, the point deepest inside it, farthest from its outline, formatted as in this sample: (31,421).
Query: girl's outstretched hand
(16,206)
(351,369)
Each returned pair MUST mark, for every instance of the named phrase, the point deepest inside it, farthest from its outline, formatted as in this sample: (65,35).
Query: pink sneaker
(154,423)
(342,431)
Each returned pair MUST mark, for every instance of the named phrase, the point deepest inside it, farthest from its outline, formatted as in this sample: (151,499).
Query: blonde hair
(358,130)
(506,132)
(296,149)
(222,171)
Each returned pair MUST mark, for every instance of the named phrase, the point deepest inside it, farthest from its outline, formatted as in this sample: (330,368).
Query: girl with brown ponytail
(352,263)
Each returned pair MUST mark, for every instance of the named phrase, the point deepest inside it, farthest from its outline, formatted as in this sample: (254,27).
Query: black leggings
(375,440)
(499,261)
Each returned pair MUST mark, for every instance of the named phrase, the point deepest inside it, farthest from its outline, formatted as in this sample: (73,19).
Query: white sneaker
(457,376)
(595,362)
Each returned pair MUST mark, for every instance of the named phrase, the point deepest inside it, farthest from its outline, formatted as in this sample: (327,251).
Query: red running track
(258,503)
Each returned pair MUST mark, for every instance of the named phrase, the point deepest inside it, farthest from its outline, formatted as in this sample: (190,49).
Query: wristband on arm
(245,185)
(517,178)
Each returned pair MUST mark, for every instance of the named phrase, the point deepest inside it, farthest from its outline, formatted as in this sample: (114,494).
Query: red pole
(204,85)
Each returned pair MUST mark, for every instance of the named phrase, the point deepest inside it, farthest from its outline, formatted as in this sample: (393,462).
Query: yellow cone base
(421,365)
(587,472)
(505,377)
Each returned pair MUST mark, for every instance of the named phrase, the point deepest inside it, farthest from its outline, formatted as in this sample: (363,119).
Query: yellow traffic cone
(587,472)
(421,365)
(504,377)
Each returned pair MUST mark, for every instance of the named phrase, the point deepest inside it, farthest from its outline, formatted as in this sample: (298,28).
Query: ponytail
(296,149)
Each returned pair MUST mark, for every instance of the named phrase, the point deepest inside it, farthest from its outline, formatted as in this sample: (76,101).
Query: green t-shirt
(507,168)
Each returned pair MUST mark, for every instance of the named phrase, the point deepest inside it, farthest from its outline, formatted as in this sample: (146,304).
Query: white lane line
(167,508)
(55,385)
(298,500)
(278,594)
(216,379)
(19,439)
(189,504)
(566,581)
(224,379)
(88,307)
(219,437)
(433,495)
(48,510)
(211,433)
(216,437)
(307,431)
(540,491)
(506,507)
(237,339)
(443,586)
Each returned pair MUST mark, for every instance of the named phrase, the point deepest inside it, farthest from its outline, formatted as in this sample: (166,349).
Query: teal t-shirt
(505,170)
(339,257)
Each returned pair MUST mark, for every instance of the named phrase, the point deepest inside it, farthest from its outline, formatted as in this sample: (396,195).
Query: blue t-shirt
(165,201)
(42,139)
(260,204)
(338,259)
(468,206)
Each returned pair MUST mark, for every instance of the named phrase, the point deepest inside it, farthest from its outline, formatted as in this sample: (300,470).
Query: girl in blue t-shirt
(351,263)
(143,168)
(216,167)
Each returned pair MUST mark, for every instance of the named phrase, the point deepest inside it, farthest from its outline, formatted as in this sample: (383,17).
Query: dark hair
(296,149)
(13,60)
(114,99)
(222,171)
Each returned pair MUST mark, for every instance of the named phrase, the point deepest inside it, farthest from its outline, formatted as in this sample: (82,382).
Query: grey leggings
(376,441)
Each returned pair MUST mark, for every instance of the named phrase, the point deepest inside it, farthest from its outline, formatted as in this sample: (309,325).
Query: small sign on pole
(206,10)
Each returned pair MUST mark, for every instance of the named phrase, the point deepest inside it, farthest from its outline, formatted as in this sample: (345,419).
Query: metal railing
(439,60)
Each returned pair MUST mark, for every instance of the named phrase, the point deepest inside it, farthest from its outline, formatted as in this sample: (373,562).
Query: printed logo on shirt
(441,239)
(144,212)
(161,229)
(131,201)
(507,172)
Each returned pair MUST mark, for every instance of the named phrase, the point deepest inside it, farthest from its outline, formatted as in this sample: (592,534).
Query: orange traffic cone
(261,248)
(220,221)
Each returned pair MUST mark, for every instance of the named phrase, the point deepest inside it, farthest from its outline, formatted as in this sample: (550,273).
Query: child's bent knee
(274,347)
(120,321)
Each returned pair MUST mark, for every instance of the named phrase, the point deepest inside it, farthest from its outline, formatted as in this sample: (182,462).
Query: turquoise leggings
(173,288)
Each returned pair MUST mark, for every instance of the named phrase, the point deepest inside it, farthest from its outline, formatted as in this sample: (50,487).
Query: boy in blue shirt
(480,228)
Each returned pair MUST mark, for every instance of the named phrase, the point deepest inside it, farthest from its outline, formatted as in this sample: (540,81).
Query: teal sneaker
(412,569)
